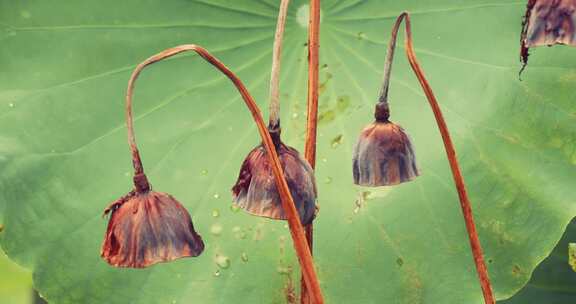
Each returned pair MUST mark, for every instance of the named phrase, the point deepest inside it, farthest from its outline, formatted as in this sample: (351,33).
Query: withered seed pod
(148,227)
(548,22)
(255,190)
(384,143)
(383,155)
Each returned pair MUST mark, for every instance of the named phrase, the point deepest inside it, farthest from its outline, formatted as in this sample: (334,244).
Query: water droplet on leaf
(326,117)
(234,208)
(204,172)
(217,273)
(216,229)
(336,141)
(284,269)
(244,257)
(239,233)
(215,213)
(222,261)
(216,195)
(343,103)
(25,14)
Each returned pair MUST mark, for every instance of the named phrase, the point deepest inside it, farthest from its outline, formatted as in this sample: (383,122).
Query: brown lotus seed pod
(548,22)
(146,228)
(383,155)
(255,190)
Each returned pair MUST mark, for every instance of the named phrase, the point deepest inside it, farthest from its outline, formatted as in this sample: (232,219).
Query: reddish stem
(296,229)
(451,153)
(312,115)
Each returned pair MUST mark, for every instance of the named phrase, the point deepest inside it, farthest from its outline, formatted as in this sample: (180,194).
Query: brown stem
(296,230)
(312,115)
(312,112)
(388,63)
(274,120)
(451,153)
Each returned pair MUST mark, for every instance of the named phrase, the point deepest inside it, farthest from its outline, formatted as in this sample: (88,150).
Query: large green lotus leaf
(553,281)
(64,157)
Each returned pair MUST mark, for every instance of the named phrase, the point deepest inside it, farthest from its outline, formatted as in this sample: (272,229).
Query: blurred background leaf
(15,282)
(553,281)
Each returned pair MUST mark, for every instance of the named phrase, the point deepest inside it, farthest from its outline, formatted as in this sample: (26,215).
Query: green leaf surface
(64,156)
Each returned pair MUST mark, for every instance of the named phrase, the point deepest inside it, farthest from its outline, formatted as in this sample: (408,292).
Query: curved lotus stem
(312,112)
(451,153)
(274,120)
(296,230)
(312,108)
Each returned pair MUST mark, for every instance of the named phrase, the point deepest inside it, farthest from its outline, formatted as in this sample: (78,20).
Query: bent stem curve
(296,229)
(451,153)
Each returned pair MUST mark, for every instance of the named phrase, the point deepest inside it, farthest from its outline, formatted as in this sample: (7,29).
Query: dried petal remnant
(146,228)
(383,156)
(551,22)
(548,22)
(256,192)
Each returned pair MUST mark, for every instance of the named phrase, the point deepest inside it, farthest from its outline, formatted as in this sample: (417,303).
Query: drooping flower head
(548,22)
(146,228)
(255,190)
(383,155)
